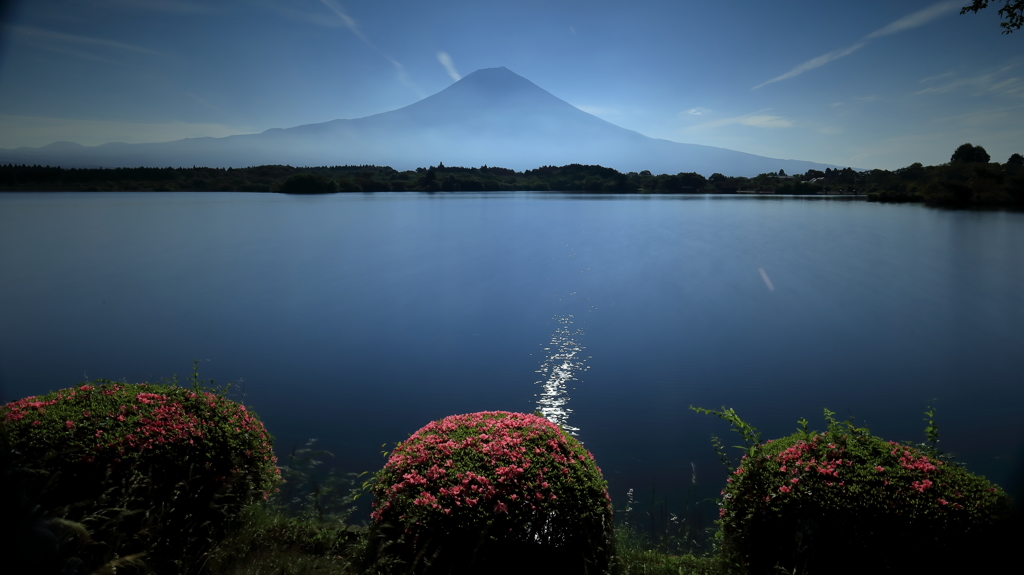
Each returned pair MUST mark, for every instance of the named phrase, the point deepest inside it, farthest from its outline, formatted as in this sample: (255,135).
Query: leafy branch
(751,437)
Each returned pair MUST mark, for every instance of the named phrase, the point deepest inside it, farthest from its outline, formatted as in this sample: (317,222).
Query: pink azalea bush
(178,454)
(484,491)
(809,499)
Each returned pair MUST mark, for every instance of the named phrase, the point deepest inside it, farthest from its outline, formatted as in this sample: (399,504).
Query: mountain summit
(492,116)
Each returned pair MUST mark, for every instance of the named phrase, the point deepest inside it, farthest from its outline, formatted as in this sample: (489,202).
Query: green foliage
(970,154)
(635,555)
(266,540)
(932,430)
(970,182)
(494,492)
(805,500)
(146,469)
(750,435)
(308,184)
(1012,13)
(308,494)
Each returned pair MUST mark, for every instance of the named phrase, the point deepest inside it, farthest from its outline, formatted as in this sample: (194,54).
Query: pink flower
(879,468)
(784,489)
(69,424)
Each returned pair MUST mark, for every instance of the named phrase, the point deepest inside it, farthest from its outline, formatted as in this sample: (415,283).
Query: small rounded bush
(170,463)
(843,501)
(494,492)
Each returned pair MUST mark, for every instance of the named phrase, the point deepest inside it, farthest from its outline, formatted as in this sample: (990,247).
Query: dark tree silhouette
(1016,160)
(968,154)
(308,184)
(1012,12)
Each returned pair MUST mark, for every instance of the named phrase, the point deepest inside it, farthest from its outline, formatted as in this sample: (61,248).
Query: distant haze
(490,117)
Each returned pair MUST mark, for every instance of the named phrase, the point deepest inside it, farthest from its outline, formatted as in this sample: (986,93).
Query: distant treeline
(963,181)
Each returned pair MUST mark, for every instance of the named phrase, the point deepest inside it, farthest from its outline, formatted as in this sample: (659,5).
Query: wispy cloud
(755,120)
(919,18)
(449,66)
(989,83)
(814,63)
(347,20)
(60,42)
(344,20)
(698,111)
(1002,117)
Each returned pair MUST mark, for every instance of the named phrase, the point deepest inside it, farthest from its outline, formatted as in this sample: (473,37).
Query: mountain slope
(492,116)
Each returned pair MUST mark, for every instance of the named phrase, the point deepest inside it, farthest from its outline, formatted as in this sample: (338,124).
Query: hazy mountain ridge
(490,117)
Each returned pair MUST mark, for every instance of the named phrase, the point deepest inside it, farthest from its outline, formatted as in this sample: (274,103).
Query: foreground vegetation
(968,179)
(112,477)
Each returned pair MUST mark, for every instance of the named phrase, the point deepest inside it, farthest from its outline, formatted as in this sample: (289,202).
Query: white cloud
(449,66)
(698,111)
(919,18)
(34,131)
(814,63)
(754,120)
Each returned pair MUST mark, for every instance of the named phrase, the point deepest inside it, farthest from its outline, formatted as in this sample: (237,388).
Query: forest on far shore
(969,178)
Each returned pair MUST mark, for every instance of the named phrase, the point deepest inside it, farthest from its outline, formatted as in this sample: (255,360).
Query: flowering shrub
(809,499)
(493,492)
(187,457)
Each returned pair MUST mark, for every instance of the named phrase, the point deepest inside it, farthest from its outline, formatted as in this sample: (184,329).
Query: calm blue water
(356,319)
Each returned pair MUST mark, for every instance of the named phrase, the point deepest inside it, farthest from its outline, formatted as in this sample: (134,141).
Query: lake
(356,319)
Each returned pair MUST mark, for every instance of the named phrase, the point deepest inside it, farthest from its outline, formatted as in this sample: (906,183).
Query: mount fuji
(490,117)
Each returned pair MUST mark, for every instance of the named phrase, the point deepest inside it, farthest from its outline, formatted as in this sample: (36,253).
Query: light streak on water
(564,361)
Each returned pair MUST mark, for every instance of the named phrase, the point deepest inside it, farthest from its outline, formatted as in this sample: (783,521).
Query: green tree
(1012,12)
(691,180)
(968,154)
(308,184)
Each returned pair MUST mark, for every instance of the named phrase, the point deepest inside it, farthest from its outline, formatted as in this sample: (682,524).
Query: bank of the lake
(956,184)
(358,318)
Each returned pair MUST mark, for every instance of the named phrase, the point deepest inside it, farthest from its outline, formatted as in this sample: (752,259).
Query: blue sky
(865,84)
